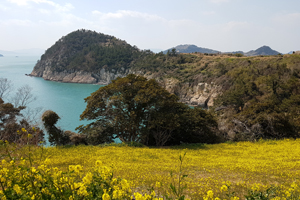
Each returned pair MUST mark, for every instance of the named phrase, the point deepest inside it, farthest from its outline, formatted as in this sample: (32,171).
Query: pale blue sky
(224,25)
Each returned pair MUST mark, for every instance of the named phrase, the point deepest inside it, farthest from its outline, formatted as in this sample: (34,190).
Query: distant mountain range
(23,52)
(264,50)
(187,48)
(1,55)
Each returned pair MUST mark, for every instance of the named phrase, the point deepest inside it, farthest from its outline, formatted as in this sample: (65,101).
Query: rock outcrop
(103,77)
(201,94)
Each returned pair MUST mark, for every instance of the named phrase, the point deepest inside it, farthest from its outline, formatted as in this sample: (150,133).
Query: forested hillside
(252,97)
(87,51)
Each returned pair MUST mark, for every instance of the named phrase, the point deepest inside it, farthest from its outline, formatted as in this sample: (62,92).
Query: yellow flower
(78,168)
(125,184)
(157,184)
(17,189)
(47,161)
(210,194)
(71,167)
(224,188)
(98,163)
(138,196)
(33,169)
(88,178)
(153,193)
(24,130)
(294,185)
(105,196)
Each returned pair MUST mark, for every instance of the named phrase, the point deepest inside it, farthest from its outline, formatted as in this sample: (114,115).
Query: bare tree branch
(5,87)
(23,96)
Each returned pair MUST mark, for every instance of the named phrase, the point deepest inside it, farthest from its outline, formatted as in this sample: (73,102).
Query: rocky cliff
(201,94)
(102,77)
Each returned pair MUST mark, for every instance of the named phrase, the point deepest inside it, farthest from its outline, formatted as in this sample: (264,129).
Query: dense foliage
(135,109)
(263,101)
(12,125)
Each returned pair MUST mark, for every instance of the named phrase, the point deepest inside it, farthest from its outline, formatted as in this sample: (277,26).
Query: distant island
(1,55)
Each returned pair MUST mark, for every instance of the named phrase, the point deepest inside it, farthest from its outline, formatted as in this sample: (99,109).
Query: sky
(223,25)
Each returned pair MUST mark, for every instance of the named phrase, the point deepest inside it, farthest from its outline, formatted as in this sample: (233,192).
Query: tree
(56,135)
(23,96)
(126,109)
(199,126)
(5,87)
(165,123)
(14,128)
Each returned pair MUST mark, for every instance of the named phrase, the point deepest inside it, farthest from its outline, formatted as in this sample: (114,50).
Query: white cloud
(3,8)
(208,13)
(126,13)
(234,25)
(288,19)
(219,1)
(65,8)
(19,2)
(16,22)
(44,11)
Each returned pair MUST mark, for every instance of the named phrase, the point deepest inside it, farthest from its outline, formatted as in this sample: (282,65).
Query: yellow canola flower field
(220,171)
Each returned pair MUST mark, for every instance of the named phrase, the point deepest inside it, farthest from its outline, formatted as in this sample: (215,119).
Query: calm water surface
(66,99)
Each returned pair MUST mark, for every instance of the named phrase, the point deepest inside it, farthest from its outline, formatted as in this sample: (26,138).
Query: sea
(66,99)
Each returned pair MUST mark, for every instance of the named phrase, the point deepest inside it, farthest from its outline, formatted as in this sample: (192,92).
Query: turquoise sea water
(66,99)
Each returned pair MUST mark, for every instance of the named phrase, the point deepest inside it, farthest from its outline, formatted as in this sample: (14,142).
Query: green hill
(89,51)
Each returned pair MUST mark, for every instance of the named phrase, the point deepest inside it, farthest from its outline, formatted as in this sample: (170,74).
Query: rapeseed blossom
(214,171)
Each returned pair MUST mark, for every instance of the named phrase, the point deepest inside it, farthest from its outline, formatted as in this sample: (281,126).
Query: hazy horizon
(223,25)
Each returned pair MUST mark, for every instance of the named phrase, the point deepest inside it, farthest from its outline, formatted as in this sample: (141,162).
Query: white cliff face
(202,94)
(75,77)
